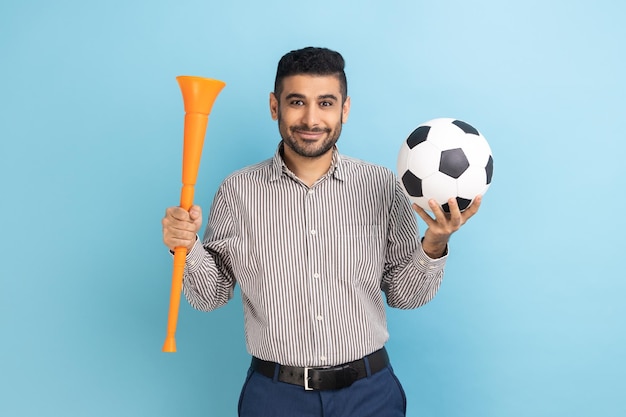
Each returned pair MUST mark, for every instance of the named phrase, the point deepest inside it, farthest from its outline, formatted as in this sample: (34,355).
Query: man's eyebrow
(294,95)
(320,97)
(327,96)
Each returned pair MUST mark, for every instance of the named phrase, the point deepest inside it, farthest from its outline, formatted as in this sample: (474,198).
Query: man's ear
(273,106)
(345,111)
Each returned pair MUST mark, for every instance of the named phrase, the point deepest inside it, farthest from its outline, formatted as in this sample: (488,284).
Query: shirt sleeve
(209,280)
(411,278)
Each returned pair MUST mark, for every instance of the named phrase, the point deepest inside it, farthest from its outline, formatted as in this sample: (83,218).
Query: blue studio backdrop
(529,319)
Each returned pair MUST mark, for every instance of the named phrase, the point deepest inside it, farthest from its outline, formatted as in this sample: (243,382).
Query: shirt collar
(278,167)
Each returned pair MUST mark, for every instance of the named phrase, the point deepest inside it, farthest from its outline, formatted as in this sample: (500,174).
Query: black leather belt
(335,377)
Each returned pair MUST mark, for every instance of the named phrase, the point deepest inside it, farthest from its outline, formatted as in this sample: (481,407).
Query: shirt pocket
(359,253)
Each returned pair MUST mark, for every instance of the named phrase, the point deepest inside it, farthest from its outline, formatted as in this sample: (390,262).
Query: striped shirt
(313,262)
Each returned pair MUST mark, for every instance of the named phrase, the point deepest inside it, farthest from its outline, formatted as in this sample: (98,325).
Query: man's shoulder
(358,166)
(250,173)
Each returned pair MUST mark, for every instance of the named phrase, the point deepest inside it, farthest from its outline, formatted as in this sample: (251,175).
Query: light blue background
(529,320)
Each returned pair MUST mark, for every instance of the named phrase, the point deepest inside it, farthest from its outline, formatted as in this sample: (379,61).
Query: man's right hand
(180,226)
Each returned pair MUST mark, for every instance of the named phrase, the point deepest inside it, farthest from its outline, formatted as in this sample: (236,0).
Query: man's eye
(297,102)
(326,104)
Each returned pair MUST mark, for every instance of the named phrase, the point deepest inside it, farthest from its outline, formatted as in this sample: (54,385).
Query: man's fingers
(177,213)
(195,213)
(422,213)
(440,215)
(178,234)
(173,224)
(180,227)
(178,230)
(473,209)
(452,220)
(454,216)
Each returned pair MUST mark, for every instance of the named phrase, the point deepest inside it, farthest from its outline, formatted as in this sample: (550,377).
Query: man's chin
(308,148)
(318,151)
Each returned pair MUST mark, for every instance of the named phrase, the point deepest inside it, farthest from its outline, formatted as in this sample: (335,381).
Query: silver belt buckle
(306,379)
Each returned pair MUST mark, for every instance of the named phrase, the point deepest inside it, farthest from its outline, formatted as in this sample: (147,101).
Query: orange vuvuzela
(199,94)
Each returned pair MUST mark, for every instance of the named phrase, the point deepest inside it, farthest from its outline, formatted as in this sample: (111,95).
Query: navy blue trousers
(378,395)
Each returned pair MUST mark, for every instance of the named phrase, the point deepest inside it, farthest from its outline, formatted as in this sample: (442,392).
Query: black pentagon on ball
(412,184)
(418,136)
(453,162)
(489,169)
(462,202)
(466,127)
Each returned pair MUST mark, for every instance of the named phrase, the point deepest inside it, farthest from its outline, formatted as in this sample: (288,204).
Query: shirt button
(313,231)
(192,263)
(316,275)
(323,358)
(319,318)
(311,192)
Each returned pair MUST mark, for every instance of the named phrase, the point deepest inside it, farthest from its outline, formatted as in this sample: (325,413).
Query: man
(314,239)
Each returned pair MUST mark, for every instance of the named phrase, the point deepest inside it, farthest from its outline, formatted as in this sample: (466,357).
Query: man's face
(310,113)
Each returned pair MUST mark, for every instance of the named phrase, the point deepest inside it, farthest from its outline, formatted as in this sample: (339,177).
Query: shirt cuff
(425,261)
(194,256)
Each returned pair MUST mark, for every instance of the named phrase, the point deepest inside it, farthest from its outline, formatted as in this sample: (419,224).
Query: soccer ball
(445,158)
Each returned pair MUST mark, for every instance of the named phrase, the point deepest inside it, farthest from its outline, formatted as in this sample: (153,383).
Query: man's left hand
(444,224)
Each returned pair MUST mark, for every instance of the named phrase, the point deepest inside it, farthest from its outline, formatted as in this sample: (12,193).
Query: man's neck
(307,169)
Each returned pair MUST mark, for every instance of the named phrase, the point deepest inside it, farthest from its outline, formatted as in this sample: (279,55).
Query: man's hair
(311,61)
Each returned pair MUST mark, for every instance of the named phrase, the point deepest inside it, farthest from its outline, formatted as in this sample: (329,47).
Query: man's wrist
(434,248)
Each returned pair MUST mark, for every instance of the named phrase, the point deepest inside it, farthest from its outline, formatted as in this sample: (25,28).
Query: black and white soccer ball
(445,158)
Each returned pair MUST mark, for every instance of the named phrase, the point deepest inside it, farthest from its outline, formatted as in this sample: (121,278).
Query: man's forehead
(306,84)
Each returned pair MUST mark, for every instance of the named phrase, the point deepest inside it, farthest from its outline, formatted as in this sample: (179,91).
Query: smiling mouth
(310,134)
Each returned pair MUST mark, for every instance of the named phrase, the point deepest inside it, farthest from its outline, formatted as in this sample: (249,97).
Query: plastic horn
(198,97)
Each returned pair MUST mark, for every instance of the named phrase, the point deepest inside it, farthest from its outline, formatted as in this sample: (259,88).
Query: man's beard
(302,149)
